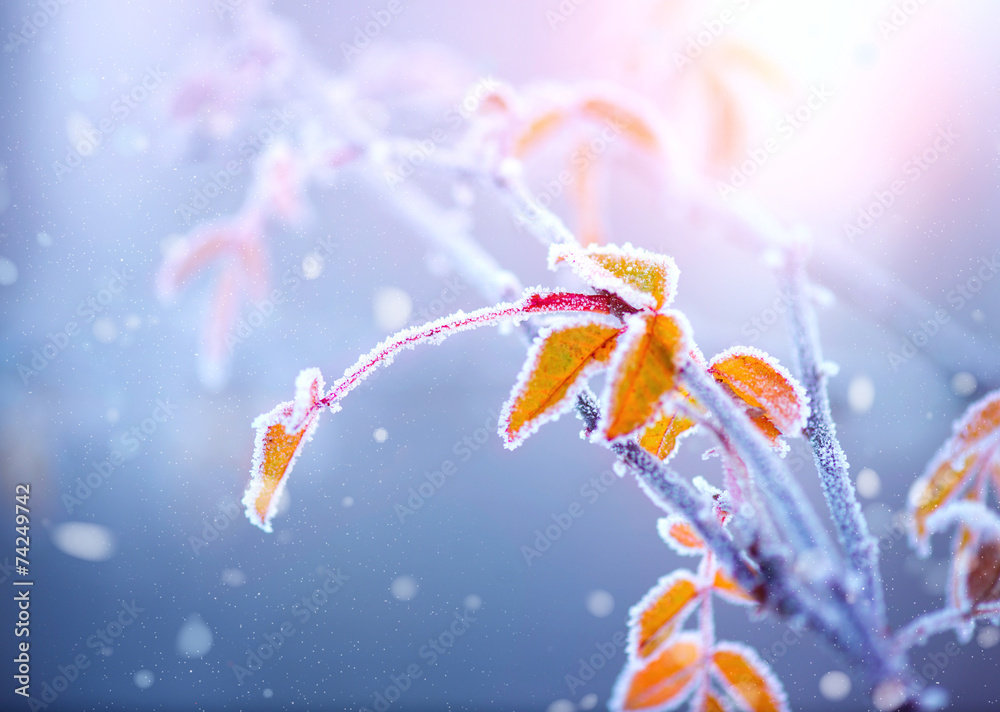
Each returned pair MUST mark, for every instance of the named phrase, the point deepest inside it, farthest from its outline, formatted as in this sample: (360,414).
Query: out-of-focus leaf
(747,679)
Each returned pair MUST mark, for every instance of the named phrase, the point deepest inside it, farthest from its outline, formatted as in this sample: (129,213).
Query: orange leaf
(281,434)
(662,611)
(714,704)
(748,680)
(537,131)
(643,370)
(643,279)
(622,119)
(557,367)
(725,586)
(664,435)
(680,535)
(775,401)
(970,449)
(662,683)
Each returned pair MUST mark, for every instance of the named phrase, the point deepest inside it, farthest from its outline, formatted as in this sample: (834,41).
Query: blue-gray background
(533,624)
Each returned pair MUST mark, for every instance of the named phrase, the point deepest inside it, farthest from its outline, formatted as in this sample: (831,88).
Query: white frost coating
(600,278)
(774,687)
(309,387)
(635,329)
(790,421)
(975,515)
(531,363)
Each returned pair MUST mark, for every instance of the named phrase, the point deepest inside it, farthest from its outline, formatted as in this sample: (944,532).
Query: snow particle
(312,265)
(392,308)
(83,540)
(588,702)
(194,639)
(561,706)
(869,483)
(268,693)
(105,330)
(233,577)
(347,502)
(978,316)
(600,603)
(888,695)
(963,384)
(144,679)
(8,272)
(380,435)
(473,602)
(835,685)
(404,588)
(861,394)
(44,239)
(988,637)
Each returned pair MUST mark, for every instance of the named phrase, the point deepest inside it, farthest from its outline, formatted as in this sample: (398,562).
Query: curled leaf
(775,401)
(663,682)
(643,279)
(281,433)
(747,679)
(662,612)
(968,454)
(557,367)
(643,370)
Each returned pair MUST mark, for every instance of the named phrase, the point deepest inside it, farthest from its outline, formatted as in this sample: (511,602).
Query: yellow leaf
(775,401)
(557,367)
(663,610)
(747,679)
(643,370)
(663,682)
(643,279)
(664,435)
